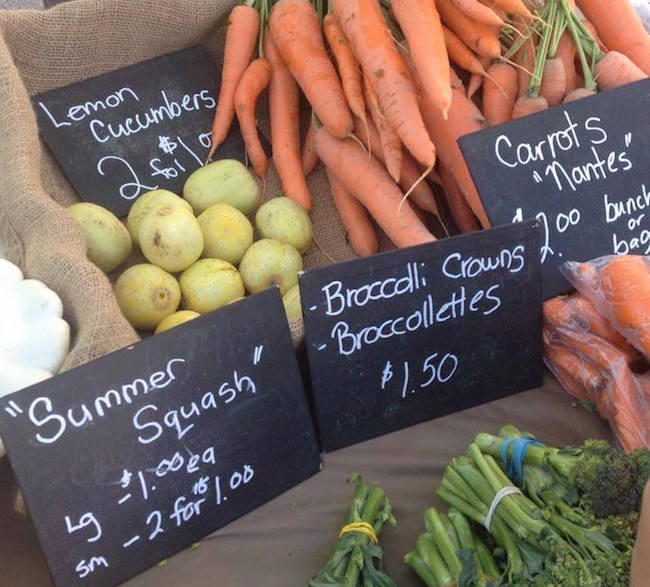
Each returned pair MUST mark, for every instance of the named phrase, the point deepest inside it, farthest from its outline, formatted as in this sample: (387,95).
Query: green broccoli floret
(607,479)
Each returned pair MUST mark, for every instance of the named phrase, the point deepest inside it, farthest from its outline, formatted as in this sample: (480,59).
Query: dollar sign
(386,375)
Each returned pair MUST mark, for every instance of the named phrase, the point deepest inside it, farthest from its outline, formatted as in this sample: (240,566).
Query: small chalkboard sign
(410,335)
(582,169)
(141,453)
(143,127)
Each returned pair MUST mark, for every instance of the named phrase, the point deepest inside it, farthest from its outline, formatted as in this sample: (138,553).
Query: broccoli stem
(485,559)
(450,530)
(446,547)
(423,571)
(428,551)
(373,502)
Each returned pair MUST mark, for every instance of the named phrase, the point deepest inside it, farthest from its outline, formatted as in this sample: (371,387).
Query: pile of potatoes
(201,248)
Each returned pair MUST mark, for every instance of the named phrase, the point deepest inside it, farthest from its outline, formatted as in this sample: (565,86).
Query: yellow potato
(283,220)
(222,182)
(148,202)
(147,295)
(227,233)
(108,242)
(171,238)
(176,319)
(269,262)
(210,284)
(291,302)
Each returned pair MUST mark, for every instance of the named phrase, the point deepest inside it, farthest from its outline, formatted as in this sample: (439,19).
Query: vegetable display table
(284,542)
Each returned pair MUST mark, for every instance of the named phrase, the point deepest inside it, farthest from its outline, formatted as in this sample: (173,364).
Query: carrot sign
(580,169)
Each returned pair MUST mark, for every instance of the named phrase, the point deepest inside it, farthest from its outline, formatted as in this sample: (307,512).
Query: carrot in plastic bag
(579,378)
(623,402)
(619,287)
(576,312)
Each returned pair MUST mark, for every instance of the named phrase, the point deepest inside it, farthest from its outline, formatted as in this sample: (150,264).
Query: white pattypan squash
(34,338)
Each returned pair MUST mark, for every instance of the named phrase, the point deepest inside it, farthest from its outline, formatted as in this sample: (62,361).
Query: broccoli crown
(608,479)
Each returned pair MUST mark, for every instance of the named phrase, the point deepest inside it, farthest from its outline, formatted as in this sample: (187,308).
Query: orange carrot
(516,7)
(241,38)
(578,94)
(255,79)
(422,195)
(367,180)
(461,54)
(577,313)
(365,27)
(477,11)
(554,83)
(622,401)
(461,212)
(420,23)
(284,106)
(625,283)
(309,155)
(500,93)
(360,232)
(566,51)
(464,118)
(578,377)
(347,65)
(620,28)
(297,34)
(616,69)
(476,79)
(477,36)
(391,146)
(527,105)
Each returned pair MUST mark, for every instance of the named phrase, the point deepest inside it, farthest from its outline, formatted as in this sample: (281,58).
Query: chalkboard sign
(410,335)
(137,455)
(136,129)
(582,169)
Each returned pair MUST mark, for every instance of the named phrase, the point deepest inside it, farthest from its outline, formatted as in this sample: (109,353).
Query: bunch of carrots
(394,83)
(597,342)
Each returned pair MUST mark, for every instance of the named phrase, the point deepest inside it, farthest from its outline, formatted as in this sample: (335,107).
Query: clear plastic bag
(619,289)
(591,369)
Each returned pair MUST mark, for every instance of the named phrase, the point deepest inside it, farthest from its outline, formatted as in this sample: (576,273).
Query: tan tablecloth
(284,542)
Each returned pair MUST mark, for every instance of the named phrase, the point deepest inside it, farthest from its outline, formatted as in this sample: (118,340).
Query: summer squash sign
(143,452)
(582,169)
(411,335)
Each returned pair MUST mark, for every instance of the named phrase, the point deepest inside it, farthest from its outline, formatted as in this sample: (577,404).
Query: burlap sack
(41,50)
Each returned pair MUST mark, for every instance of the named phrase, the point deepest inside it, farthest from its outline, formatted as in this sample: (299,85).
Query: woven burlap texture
(42,50)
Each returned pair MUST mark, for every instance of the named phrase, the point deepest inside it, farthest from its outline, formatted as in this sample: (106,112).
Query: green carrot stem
(542,53)
(413,560)
(429,553)
(558,30)
(590,84)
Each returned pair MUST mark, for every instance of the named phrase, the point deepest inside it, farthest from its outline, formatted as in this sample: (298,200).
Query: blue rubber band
(515,464)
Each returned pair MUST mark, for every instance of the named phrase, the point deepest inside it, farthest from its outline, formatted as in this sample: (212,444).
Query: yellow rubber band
(361,528)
